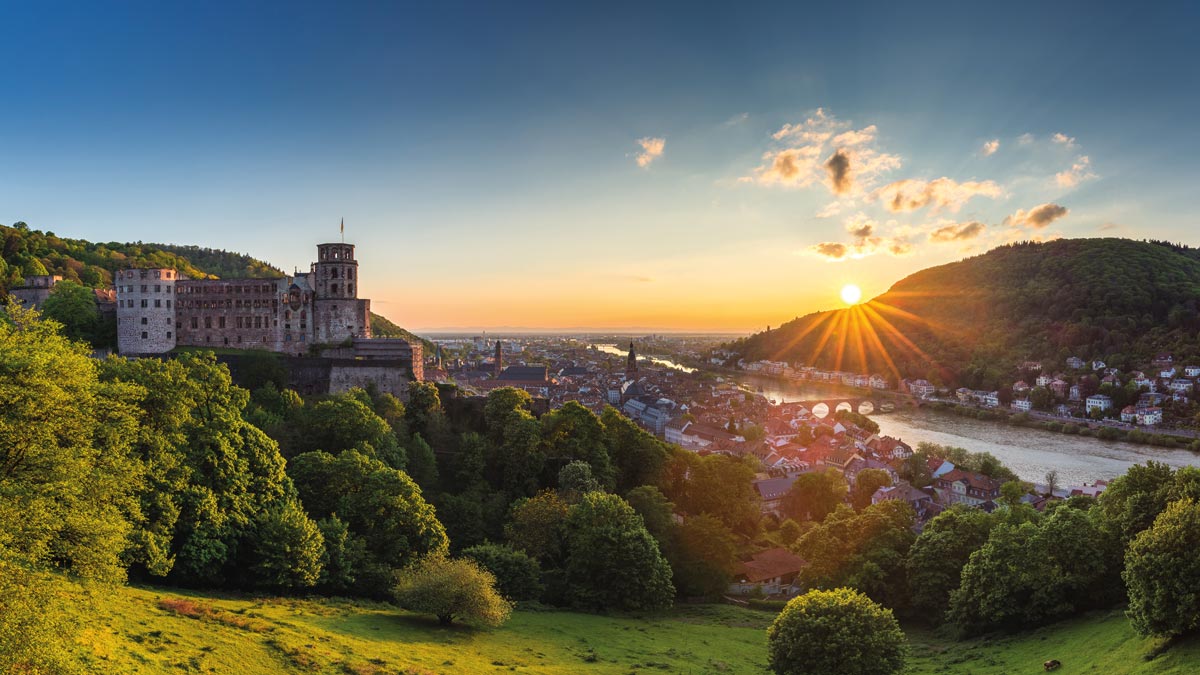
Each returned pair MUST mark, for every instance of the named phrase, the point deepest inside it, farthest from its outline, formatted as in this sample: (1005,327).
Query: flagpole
(343,230)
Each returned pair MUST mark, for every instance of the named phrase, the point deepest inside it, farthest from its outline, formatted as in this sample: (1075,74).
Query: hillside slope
(155,630)
(972,321)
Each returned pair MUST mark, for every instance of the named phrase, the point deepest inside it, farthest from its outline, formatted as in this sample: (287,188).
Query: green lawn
(153,630)
(129,632)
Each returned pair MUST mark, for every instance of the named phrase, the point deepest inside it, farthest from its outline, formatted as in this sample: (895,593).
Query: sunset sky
(638,166)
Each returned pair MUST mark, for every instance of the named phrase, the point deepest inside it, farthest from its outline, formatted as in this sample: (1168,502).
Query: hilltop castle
(159,309)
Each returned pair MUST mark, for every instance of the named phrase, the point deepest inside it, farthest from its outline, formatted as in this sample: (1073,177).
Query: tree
(656,510)
(573,433)
(865,484)
(637,456)
(1051,481)
(345,422)
(1161,572)
(938,555)
(814,495)
(576,479)
(718,485)
(1012,492)
(287,548)
(1040,398)
(422,464)
(382,508)
(865,551)
(789,532)
(1133,500)
(836,632)
(74,306)
(1034,572)
(535,526)
(518,576)
(68,484)
(703,557)
(612,561)
(452,589)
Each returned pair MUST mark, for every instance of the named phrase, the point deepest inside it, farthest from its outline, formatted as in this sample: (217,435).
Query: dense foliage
(971,322)
(836,632)
(1162,572)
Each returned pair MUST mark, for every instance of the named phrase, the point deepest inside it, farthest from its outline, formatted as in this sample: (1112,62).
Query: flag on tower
(343,226)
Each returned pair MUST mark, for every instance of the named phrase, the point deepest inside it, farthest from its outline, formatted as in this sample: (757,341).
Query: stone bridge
(827,406)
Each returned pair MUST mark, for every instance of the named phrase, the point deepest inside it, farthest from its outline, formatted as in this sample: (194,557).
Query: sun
(851,294)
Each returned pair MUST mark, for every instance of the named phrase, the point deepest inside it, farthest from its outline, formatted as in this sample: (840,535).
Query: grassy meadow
(155,630)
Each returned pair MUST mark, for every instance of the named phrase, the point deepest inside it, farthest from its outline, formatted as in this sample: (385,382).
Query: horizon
(549,168)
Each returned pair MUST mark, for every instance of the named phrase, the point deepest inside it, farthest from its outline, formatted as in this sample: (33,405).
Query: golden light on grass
(851,294)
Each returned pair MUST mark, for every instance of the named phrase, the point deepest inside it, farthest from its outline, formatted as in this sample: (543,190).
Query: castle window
(156,273)
(350,289)
(145,303)
(168,304)
(145,321)
(168,335)
(221,324)
(208,322)
(157,302)
(158,288)
(194,323)
(143,288)
(226,340)
(145,335)
(333,289)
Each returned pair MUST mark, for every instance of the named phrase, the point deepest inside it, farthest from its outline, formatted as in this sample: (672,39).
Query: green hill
(972,322)
(154,630)
(26,252)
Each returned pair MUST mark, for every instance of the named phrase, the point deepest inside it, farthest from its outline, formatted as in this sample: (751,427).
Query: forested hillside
(972,322)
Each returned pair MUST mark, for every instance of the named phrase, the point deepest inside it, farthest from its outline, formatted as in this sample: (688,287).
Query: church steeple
(631,362)
(499,360)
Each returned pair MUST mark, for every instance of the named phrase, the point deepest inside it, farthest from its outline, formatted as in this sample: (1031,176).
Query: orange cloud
(990,147)
(652,149)
(1079,172)
(958,231)
(940,193)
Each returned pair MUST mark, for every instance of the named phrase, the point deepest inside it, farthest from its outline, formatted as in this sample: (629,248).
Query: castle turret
(145,310)
(338,313)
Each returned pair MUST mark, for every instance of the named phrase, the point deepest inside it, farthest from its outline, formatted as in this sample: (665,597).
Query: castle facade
(159,309)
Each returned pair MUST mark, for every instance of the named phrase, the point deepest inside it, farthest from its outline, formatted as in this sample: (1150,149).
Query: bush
(518,576)
(452,589)
(838,632)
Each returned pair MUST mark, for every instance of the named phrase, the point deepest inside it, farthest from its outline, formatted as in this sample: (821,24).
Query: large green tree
(612,561)
(1162,572)
(814,495)
(937,557)
(385,514)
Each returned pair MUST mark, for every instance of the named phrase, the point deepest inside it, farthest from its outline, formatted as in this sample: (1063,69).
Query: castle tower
(338,313)
(499,360)
(631,362)
(146,311)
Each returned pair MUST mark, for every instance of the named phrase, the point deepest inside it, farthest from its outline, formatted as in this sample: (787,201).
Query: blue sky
(486,157)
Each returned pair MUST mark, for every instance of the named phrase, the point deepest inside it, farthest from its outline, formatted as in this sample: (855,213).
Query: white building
(1098,402)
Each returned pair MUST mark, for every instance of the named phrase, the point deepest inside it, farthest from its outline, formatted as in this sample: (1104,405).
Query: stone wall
(145,310)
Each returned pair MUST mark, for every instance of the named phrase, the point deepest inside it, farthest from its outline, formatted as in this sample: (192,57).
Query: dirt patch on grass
(204,612)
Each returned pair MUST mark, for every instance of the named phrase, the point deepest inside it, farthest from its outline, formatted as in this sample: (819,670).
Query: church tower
(631,363)
(499,361)
(338,313)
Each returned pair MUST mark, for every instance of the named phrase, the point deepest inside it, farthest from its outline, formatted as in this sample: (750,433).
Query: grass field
(151,630)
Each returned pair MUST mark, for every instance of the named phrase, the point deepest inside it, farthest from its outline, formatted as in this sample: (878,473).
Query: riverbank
(1030,451)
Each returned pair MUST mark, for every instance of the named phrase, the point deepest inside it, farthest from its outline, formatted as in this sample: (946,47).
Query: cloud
(835,208)
(1079,172)
(940,193)
(1025,139)
(1038,217)
(865,242)
(1106,227)
(860,226)
(853,160)
(737,119)
(958,231)
(652,149)
(1064,140)
(990,147)
(864,135)
(839,172)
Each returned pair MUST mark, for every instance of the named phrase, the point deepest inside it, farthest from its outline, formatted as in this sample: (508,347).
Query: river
(1028,452)
(617,351)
